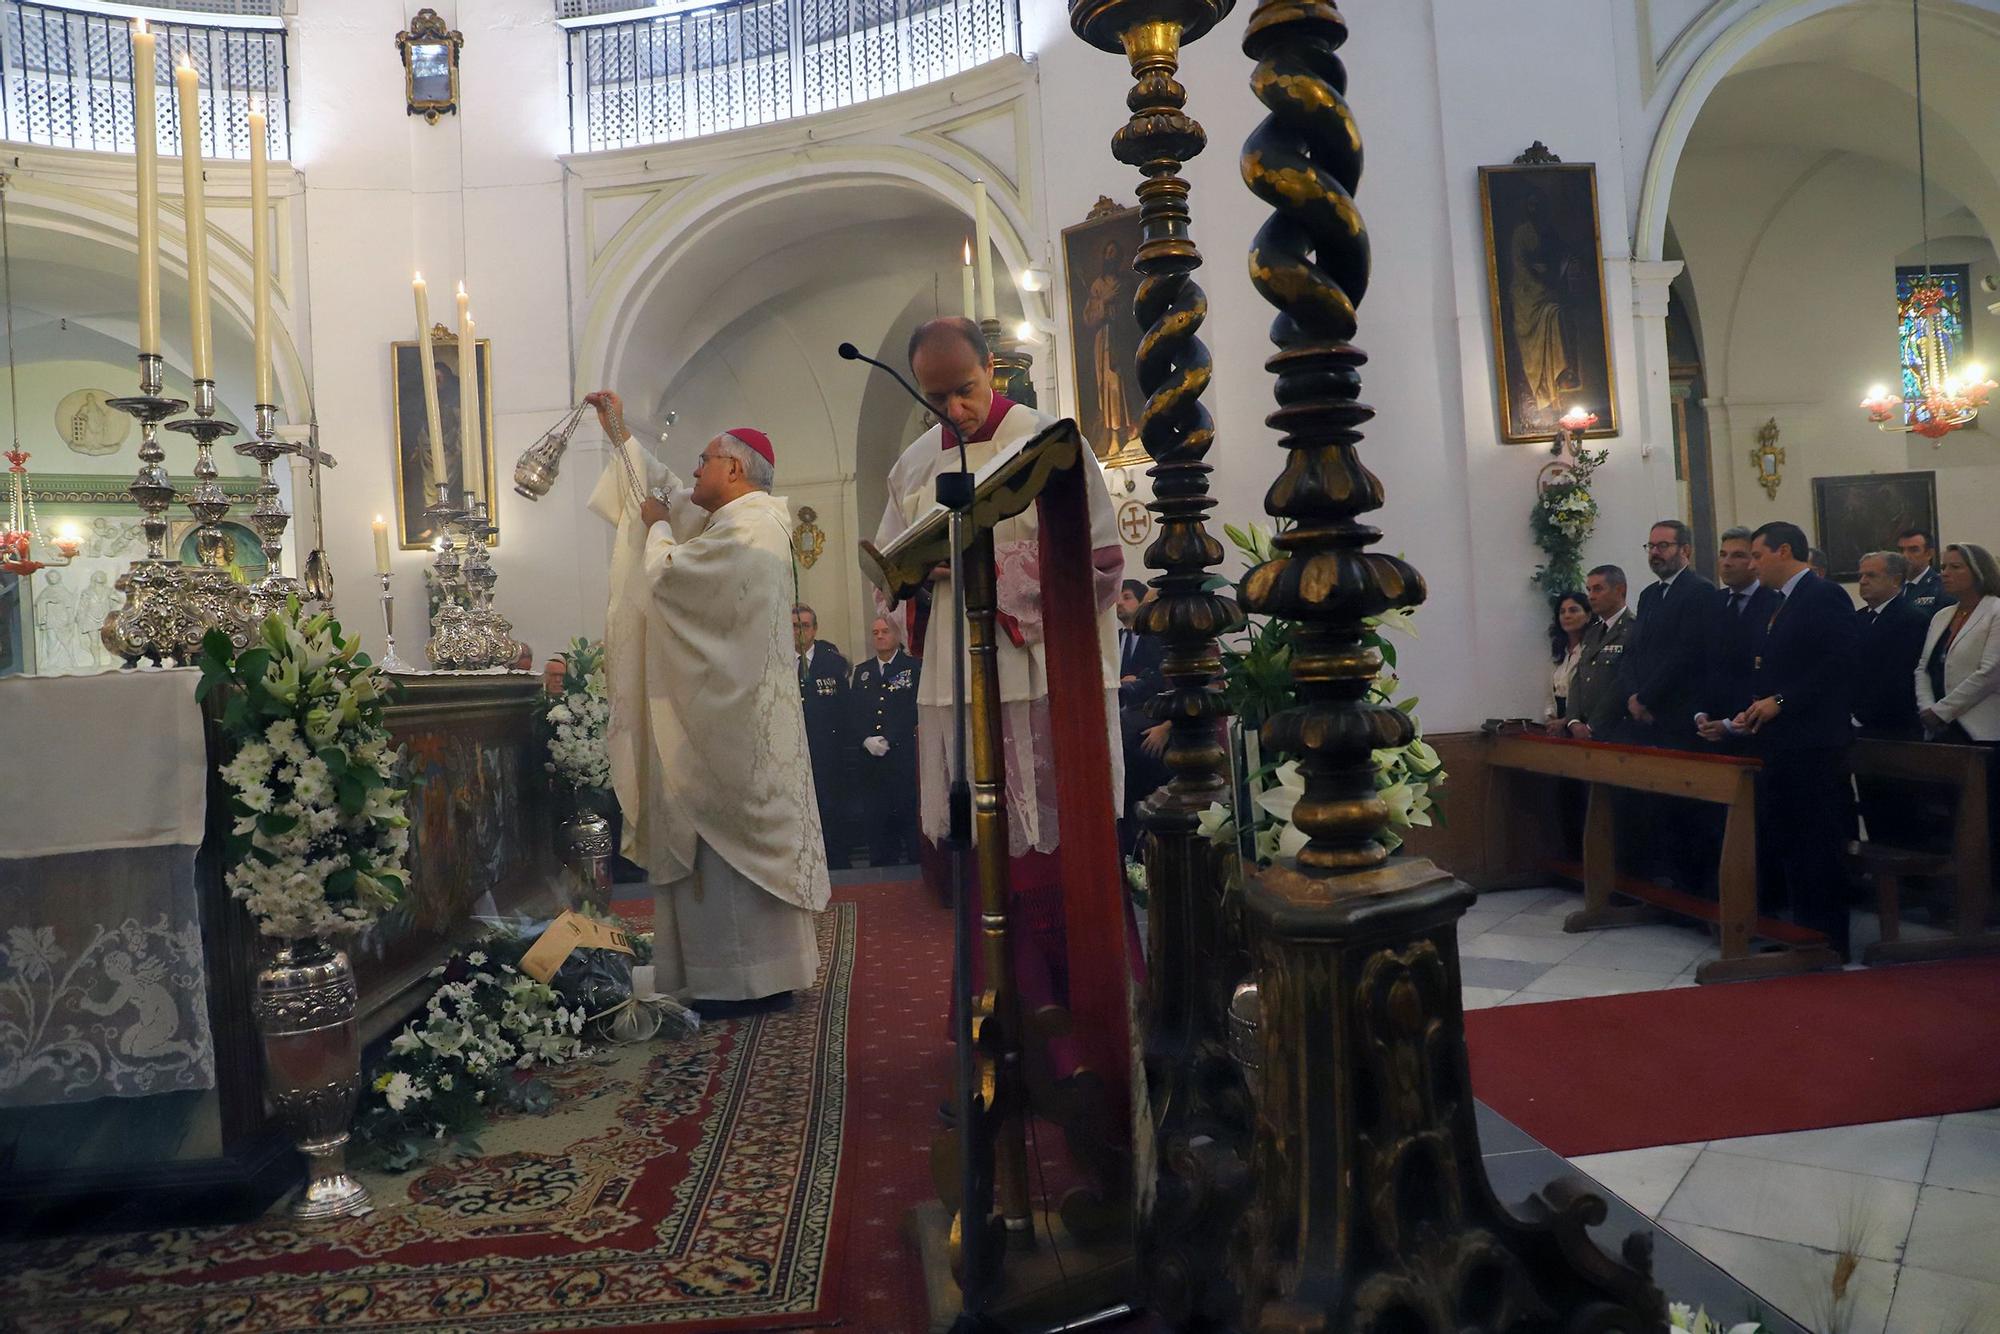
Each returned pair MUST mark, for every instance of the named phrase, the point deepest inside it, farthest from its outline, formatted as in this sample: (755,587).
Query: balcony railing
(68,79)
(678,72)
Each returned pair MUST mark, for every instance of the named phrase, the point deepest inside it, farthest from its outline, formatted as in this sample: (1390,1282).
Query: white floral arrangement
(1685,1319)
(320,833)
(1259,685)
(485,1026)
(575,722)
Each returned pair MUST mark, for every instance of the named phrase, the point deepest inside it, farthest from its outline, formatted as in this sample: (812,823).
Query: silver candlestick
(211,597)
(151,623)
(495,632)
(454,642)
(270,516)
(390,662)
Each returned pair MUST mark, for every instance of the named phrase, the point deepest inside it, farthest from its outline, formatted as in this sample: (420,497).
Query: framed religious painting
(1545,275)
(1100,283)
(1853,516)
(415,484)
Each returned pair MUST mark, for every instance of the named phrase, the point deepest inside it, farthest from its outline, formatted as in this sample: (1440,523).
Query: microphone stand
(954,493)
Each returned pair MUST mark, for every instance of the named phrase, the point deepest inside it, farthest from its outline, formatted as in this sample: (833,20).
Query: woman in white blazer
(1958,673)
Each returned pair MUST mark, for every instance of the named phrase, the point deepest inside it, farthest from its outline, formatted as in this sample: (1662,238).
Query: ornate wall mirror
(430,65)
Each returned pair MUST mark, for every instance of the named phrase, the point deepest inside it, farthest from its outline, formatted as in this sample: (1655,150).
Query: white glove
(876,746)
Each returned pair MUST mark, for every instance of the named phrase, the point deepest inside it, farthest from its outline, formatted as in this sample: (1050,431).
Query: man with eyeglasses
(1663,670)
(1922,588)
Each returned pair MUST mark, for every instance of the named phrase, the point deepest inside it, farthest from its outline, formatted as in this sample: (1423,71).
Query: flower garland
(575,720)
(1258,685)
(485,1026)
(1563,519)
(320,833)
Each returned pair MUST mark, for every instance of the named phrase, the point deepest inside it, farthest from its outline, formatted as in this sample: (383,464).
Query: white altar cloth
(103,984)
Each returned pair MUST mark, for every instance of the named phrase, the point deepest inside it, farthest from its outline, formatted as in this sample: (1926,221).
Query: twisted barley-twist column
(1198,1113)
(1311,261)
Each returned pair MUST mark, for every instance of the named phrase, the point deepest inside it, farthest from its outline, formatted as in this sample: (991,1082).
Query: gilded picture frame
(430,48)
(1545,284)
(414,530)
(1099,283)
(1863,512)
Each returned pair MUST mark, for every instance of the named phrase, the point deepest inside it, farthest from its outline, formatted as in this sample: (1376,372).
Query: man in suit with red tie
(1801,728)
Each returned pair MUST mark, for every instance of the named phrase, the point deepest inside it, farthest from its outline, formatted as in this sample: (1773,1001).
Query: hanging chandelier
(23,523)
(1936,400)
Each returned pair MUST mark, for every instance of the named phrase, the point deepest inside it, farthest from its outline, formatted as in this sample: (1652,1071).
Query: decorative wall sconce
(1767,457)
(430,65)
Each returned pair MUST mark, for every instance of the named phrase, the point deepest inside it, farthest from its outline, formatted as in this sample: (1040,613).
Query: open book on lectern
(1003,487)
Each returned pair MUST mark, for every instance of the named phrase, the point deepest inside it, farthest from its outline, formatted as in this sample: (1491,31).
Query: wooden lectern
(1047,470)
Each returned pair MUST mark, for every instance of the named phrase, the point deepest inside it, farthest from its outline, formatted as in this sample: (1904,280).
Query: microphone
(849,352)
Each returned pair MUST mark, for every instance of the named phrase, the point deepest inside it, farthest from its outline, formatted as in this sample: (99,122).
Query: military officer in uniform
(1596,701)
(885,720)
(829,728)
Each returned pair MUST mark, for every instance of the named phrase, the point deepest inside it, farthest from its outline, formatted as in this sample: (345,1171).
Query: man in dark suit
(1139,680)
(1663,668)
(1888,640)
(1800,725)
(823,691)
(1922,586)
(1741,607)
(885,717)
(1595,698)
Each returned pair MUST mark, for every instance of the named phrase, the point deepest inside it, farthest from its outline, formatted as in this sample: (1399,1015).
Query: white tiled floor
(1920,1197)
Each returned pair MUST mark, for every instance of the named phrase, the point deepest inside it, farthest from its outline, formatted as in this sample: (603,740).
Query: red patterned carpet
(719,1184)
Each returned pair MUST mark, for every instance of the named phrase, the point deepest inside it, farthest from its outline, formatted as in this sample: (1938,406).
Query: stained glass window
(1955,336)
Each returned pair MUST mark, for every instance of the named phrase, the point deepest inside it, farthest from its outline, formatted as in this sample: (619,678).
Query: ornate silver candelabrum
(390,662)
(152,623)
(455,641)
(495,631)
(270,516)
(210,595)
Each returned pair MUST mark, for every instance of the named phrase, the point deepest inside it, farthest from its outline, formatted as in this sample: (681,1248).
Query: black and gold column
(1372,1209)
(1197,1111)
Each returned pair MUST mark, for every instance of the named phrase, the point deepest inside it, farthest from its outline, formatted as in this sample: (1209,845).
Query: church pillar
(1651,280)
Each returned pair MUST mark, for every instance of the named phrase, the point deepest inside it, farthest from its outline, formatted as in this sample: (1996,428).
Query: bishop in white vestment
(954,369)
(707,738)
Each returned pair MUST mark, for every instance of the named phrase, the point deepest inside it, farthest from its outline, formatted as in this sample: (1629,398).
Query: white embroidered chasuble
(707,735)
(1023,668)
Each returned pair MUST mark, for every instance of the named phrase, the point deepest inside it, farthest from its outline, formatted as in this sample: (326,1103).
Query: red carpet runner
(1749,1058)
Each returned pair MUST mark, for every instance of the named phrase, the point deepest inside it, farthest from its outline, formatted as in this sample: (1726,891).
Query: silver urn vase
(304,1003)
(586,839)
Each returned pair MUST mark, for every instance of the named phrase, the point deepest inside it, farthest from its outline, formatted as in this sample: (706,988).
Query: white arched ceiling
(1847,43)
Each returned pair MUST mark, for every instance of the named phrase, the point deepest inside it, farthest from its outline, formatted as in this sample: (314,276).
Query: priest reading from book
(953,368)
(707,738)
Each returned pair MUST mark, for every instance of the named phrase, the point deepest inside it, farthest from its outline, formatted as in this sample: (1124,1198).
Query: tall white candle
(427,362)
(146,142)
(381,527)
(199,330)
(260,256)
(982,245)
(967,304)
(472,459)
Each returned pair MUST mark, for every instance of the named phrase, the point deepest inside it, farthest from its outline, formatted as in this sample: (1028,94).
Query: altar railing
(679,71)
(68,77)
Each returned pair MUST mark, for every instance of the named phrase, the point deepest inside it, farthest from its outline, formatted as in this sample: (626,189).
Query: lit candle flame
(968,253)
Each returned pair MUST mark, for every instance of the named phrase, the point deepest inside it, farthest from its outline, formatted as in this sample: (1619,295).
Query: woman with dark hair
(1566,626)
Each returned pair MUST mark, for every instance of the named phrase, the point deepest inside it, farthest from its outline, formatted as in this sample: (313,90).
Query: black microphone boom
(849,352)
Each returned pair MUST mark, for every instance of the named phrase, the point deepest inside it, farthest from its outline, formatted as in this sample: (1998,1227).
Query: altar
(132,1087)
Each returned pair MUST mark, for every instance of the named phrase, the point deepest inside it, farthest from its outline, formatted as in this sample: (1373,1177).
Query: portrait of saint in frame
(415,486)
(1856,515)
(1104,334)
(1545,274)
